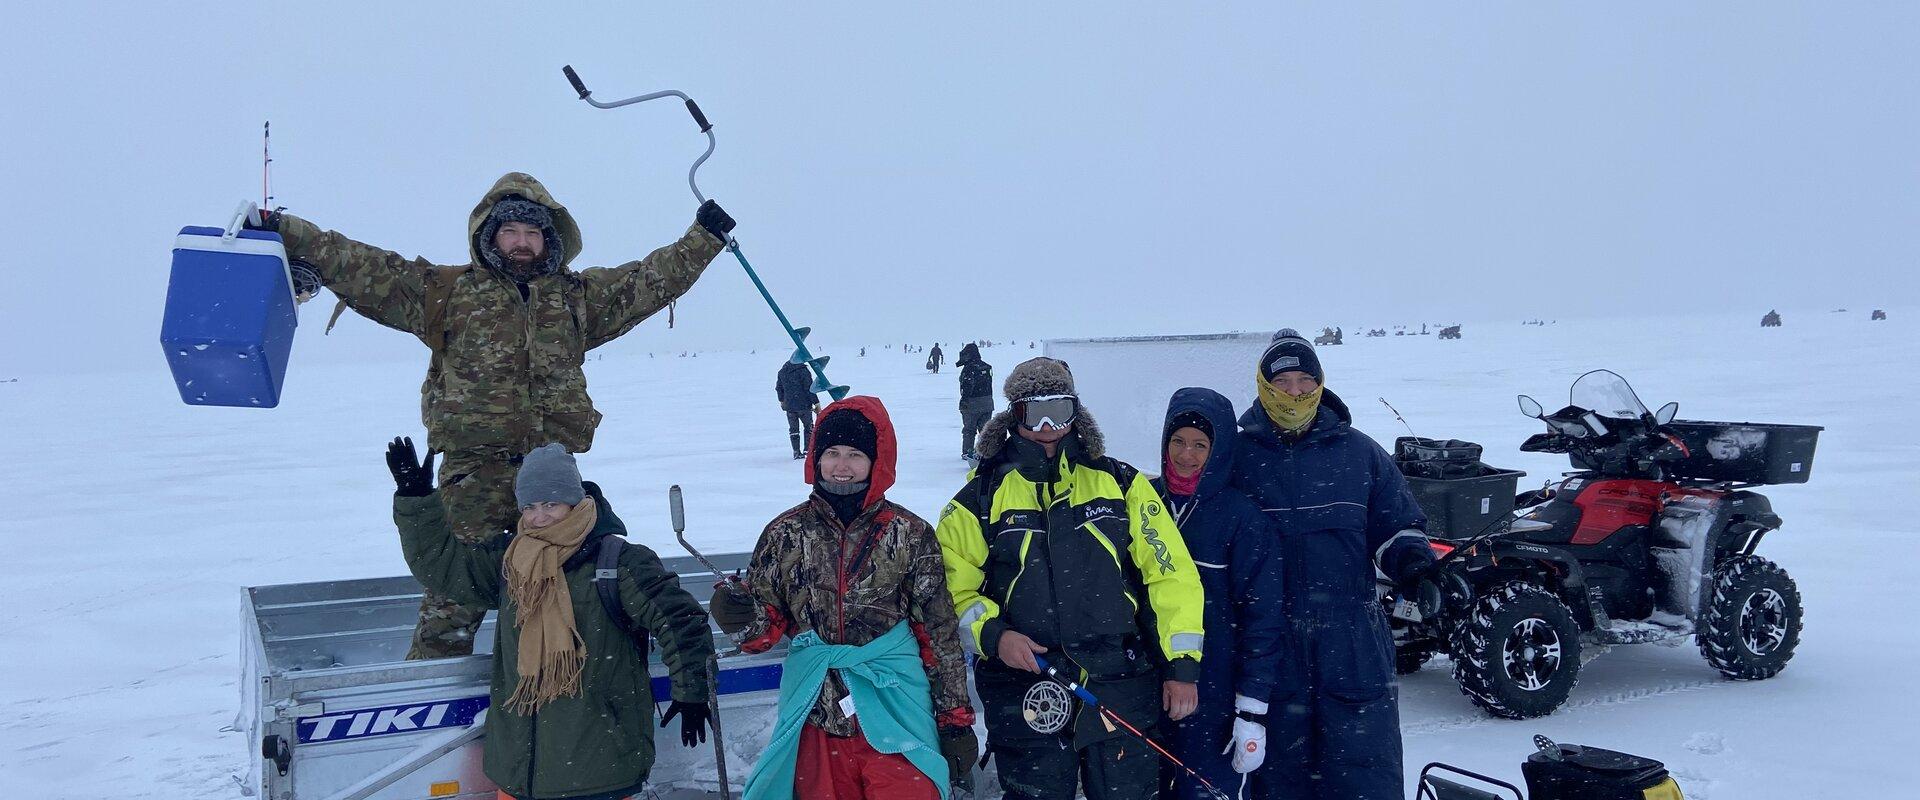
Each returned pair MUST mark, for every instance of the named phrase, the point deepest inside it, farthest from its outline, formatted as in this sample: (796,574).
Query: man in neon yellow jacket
(1054,548)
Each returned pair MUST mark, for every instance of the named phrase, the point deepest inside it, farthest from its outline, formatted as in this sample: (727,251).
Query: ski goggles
(1047,411)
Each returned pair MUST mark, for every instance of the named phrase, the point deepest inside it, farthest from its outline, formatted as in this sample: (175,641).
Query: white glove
(1249,738)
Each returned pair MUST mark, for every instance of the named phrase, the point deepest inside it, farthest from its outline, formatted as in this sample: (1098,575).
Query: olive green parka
(600,740)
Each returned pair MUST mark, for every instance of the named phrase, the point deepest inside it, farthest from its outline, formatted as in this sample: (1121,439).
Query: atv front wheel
(1752,623)
(1407,662)
(1517,654)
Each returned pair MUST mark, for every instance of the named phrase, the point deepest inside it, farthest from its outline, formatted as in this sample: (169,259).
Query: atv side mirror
(1531,407)
(1666,413)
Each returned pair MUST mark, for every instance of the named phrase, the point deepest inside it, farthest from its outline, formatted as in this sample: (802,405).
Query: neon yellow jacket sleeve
(1173,582)
(963,550)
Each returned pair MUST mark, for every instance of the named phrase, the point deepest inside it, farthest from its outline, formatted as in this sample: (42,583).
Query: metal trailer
(337,713)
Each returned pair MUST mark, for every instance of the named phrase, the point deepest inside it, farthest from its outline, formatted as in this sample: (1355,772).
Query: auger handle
(698,117)
(574,78)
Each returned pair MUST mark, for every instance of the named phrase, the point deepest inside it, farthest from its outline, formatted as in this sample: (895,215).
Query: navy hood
(1332,417)
(1218,411)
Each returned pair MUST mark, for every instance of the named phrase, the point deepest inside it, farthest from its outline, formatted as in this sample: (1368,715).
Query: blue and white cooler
(230,315)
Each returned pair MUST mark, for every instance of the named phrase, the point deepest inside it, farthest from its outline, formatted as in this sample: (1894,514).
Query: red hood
(885,455)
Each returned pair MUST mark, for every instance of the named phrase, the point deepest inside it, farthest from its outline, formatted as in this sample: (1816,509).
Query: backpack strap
(606,582)
(987,479)
(339,307)
(1122,472)
(439,285)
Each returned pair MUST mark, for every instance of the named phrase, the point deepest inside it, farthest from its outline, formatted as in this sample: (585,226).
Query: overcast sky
(965,170)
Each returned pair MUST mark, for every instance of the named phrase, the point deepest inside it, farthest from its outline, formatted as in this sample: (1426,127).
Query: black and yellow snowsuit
(1078,553)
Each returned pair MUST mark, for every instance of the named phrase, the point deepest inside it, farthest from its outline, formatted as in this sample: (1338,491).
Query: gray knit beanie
(548,474)
(1290,352)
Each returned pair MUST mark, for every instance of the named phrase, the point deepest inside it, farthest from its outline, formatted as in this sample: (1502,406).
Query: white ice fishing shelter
(1126,381)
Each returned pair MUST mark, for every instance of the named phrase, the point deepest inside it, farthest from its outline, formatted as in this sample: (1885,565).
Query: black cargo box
(1746,452)
(1458,508)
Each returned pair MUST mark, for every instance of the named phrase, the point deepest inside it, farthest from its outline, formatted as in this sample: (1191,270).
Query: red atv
(1652,539)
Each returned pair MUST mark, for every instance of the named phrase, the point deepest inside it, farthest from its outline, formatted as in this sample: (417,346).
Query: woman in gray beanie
(571,699)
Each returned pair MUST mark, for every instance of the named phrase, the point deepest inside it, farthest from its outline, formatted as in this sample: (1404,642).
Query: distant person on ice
(935,358)
(1342,509)
(794,388)
(976,397)
(873,696)
(1057,550)
(508,333)
(1236,547)
(571,711)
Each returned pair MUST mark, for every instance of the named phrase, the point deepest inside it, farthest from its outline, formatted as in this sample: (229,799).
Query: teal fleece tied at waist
(892,702)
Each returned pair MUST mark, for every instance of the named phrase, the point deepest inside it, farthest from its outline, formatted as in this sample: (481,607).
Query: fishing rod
(1114,717)
(1396,415)
(679,513)
(677,507)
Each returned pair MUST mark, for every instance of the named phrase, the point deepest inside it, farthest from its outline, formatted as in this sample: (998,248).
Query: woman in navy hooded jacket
(1234,545)
(1342,509)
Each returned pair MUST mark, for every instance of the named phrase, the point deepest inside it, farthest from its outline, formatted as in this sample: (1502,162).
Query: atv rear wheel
(1517,654)
(1752,622)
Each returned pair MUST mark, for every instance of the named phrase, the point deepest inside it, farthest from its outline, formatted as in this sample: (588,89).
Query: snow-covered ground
(132,521)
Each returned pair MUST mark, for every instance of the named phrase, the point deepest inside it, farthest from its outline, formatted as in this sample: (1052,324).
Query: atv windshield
(1607,394)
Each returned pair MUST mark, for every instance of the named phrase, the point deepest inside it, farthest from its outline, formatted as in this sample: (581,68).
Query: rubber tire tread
(1475,656)
(1719,638)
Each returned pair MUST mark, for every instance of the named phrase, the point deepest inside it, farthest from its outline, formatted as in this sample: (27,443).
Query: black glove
(1421,585)
(712,217)
(731,610)
(262,219)
(960,747)
(693,721)
(409,479)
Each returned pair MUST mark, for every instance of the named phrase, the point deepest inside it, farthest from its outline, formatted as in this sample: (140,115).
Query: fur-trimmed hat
(515,208)
(1038,377)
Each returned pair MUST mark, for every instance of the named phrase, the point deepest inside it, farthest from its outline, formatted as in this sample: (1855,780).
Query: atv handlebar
(1544,443)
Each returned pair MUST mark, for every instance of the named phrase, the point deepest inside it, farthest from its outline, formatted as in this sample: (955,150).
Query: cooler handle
(239,221)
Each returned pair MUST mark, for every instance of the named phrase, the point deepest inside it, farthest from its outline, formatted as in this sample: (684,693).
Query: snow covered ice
(135,520)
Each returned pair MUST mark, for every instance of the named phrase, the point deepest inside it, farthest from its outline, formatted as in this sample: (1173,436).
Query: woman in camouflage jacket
(850,565)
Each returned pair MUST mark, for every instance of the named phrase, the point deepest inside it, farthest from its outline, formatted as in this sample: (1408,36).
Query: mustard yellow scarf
(550,653)
(1290,414)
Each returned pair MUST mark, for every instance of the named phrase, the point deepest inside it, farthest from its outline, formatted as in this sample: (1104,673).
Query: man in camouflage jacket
(508,333)
(850,565)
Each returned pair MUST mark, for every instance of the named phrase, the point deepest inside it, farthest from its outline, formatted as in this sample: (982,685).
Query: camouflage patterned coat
(508,377)
(852,583)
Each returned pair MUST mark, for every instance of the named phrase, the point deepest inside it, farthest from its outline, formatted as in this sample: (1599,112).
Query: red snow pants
(836,768)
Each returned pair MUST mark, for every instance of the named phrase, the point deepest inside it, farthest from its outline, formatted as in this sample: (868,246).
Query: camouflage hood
(520,184)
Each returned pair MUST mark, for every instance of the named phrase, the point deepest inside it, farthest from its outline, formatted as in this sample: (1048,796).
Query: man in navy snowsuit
(1342,509)
(1236,548)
